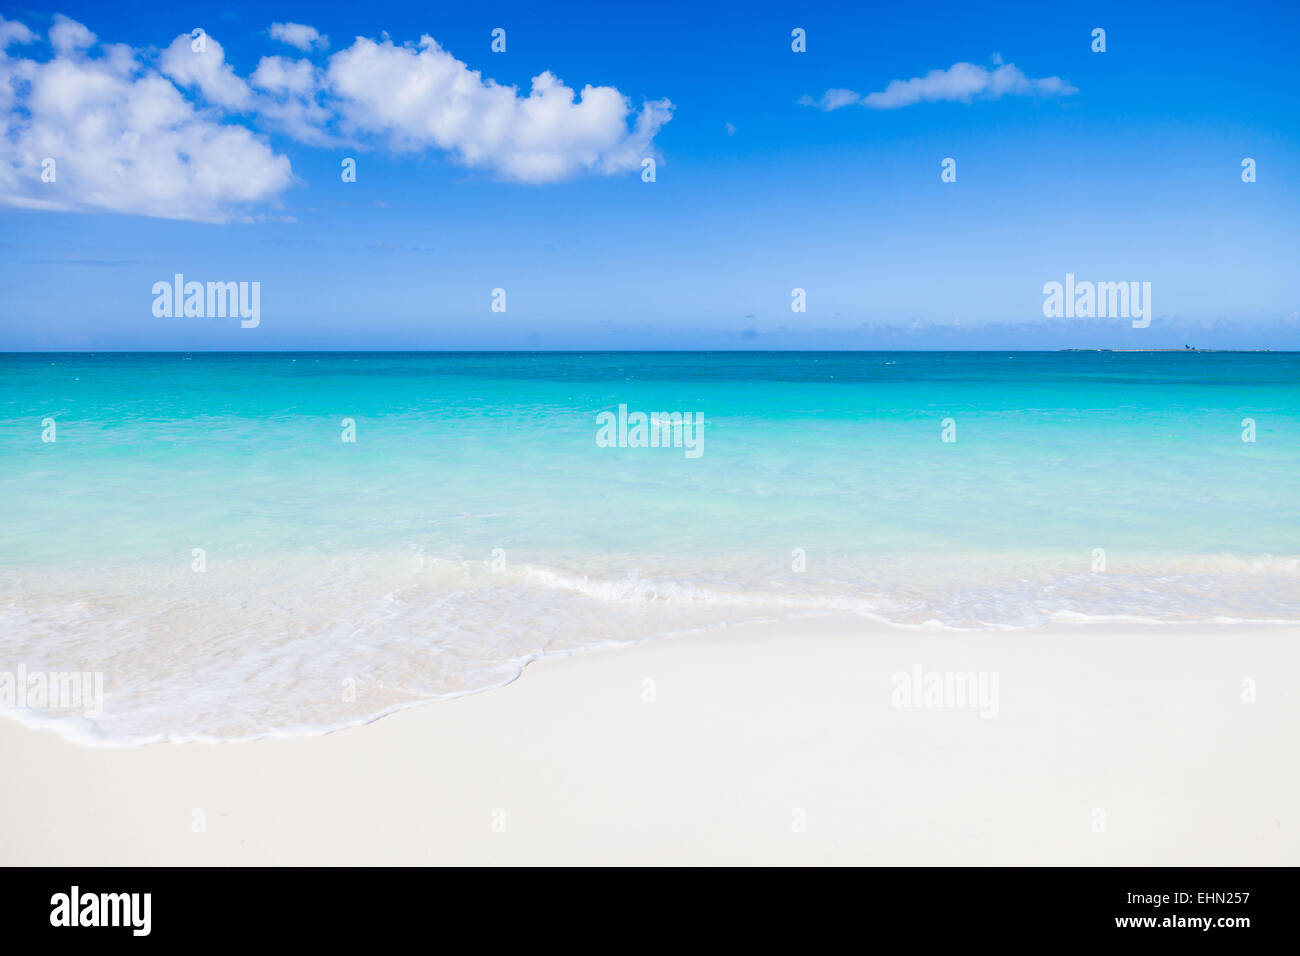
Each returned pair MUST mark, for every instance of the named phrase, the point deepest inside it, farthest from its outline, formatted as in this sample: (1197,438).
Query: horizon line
(544,351)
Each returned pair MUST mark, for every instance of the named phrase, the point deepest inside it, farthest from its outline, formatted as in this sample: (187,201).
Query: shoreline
(763,743)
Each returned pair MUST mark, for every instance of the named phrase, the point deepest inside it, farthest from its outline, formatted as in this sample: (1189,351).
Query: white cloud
(281,75)
(831,100)
(299,35)
(69,36)
(290,99)
(421,97)
(127,138)
(206,70)
(11,31)
(123,139)
(290,90)
(961,83)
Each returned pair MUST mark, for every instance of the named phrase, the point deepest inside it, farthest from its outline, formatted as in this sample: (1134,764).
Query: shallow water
(476,524)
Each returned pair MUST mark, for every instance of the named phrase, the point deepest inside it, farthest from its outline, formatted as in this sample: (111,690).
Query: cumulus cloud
(299,35)
(11,31)
(122,138)
(179,135)
(417,97)
(206,70)
(281,75)
(961,83)
(68,36)
(289,98)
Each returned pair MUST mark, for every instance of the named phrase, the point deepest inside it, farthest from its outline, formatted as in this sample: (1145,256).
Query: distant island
(1185,348)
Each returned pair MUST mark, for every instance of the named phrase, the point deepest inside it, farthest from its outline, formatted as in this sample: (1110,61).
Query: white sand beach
(764,744)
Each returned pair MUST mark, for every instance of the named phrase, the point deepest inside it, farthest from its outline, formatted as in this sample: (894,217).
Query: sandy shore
(763,744)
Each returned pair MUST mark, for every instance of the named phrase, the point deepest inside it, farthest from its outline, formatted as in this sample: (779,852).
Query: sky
(220,155)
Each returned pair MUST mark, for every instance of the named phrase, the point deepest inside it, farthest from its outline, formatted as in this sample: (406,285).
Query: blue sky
(1135,175)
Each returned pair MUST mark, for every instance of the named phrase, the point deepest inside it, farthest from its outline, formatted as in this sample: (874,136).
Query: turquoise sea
(199,531)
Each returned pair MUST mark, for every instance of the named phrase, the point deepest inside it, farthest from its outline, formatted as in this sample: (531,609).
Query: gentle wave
(305,645)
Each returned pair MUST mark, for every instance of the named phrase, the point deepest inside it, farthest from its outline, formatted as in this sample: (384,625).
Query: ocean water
(476,524)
